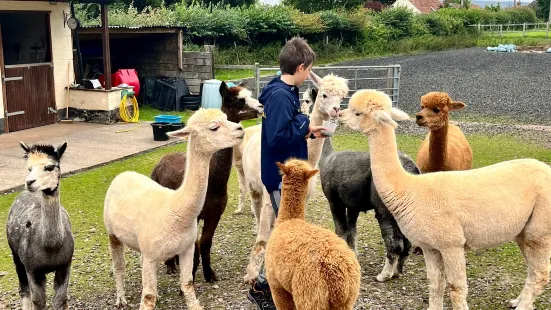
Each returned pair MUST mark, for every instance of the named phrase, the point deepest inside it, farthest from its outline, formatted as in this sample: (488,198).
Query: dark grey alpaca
(39,230)
(347,183)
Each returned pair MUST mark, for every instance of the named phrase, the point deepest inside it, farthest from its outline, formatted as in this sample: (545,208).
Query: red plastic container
(127,76)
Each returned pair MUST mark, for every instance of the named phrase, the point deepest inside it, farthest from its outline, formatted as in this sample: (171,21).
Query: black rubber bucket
(160,130)
(177,126)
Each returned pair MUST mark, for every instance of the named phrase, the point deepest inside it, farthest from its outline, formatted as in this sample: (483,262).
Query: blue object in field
(230,84)
(168,119)
(210,98)
(508,48)
(549,50)
(279,73)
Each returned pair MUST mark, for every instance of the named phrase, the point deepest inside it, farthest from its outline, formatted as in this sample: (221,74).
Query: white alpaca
(331,91)
(160,222)
(446,213)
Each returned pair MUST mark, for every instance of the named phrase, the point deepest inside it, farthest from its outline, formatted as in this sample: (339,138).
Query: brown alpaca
(445,148)
(238,105)
(308,267)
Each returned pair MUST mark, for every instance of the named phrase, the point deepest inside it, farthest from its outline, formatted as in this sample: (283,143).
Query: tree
(311,6)
(543,9)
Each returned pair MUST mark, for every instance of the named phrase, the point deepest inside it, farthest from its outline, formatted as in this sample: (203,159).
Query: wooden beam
(105,45)
(180,52)
(133,31)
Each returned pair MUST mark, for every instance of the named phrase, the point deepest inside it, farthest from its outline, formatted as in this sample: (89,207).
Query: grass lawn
(494,275)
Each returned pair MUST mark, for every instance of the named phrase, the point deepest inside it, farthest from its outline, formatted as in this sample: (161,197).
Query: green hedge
(242,26)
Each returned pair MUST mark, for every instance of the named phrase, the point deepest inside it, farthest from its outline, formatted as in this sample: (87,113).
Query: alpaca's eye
(30,169)
(436,110)
(215,128)
(358,114)
(324,96)
(49,168)
(307,101)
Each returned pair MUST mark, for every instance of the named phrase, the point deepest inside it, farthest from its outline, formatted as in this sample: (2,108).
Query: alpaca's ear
(182,133)
(309,174)
(24,147)
(382,117)
(314,94)
(224,90)
(398,114)
(457,105)
(315,79)
(60,150)
(282,167)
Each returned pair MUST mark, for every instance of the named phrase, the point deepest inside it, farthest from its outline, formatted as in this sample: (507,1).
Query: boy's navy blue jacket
(284,129)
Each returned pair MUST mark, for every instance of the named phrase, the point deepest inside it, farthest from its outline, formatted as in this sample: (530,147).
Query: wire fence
(535,30)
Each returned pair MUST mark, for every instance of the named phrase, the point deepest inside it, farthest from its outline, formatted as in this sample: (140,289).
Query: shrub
(274,21)
(398,20)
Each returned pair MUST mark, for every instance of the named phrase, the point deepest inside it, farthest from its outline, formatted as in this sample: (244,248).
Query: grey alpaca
(348,186)
(39,231)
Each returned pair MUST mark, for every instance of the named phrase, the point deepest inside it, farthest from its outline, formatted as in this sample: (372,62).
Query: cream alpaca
(160,222)
(447,213)
(331,91)
(445,148)
(297,248)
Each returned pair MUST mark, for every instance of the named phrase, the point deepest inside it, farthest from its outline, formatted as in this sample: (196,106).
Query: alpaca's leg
(196,258)
(338,211)
(149,284)
(394,244)
(61,283)
(171,265)
(186,279)
(37,282)
(242,187)
(205,244)
(24,290)
(403,255)
(435,275)
(537,254)
(117,255)
(455,269)
(283,300)
(256,260)
(513,303)
(256,207)
(352,218)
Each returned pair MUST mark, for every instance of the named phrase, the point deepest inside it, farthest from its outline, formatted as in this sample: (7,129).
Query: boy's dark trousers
(275,198)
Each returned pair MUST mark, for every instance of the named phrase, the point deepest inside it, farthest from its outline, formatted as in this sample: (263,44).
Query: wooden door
(30,99)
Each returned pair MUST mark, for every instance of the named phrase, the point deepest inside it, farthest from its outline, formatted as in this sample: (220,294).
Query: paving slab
(88,146)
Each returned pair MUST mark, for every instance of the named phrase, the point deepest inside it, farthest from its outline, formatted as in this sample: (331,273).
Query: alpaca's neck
(326,151)
(316,145)
(51,225)
(190,196)
(390,178)
(438,144)
(293,201)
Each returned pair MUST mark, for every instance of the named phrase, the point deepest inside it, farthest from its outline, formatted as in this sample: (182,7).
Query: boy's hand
(316,130)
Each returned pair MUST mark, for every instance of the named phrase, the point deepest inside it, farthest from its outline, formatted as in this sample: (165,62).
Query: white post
(524,30)
(547,31)
(478,27)
(501,31)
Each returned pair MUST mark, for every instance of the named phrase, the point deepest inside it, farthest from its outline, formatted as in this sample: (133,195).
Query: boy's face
(302,74)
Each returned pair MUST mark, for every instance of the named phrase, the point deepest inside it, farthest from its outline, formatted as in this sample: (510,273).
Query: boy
(285,131)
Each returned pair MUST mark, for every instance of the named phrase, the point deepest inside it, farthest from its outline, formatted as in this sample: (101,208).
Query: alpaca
(160,222)
(39,230)
(447,213)
(309,98)
(445,147)
(308,267)
(238,105)
(347,183)
(331,91)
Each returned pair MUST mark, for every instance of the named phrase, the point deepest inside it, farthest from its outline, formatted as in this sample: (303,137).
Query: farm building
(36,60)
(419,6)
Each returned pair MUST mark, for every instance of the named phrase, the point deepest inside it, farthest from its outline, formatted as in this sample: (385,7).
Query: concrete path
(88,145)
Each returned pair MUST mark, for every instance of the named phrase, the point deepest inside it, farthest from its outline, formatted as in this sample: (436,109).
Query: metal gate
(383,78)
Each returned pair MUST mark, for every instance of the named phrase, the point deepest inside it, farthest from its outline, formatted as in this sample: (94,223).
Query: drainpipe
(76,42)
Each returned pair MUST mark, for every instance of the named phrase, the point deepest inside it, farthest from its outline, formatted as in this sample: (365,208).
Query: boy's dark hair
(295,52)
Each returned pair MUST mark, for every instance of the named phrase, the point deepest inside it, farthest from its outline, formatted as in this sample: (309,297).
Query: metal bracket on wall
(17,78)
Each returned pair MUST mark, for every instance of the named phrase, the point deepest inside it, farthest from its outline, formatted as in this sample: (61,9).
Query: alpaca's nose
(30,182)
(419,117)
(336,109)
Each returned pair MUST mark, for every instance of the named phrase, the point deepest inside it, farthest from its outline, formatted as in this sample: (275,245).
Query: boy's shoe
(262,299)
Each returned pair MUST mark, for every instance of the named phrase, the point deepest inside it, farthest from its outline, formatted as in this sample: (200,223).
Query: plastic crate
(168,119)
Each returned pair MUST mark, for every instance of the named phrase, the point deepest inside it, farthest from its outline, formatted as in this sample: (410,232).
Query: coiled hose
(123,111)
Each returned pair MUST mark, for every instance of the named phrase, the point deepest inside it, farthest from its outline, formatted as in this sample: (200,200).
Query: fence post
(478,27)
(390,82)
(547,31)
(396,84)
(210,49)
(257,78)
(501,31)
(524,30)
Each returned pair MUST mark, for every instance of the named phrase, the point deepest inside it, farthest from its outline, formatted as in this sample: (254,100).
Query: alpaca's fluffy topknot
(205,116)
(435,100)
(367,100)
(334,85)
